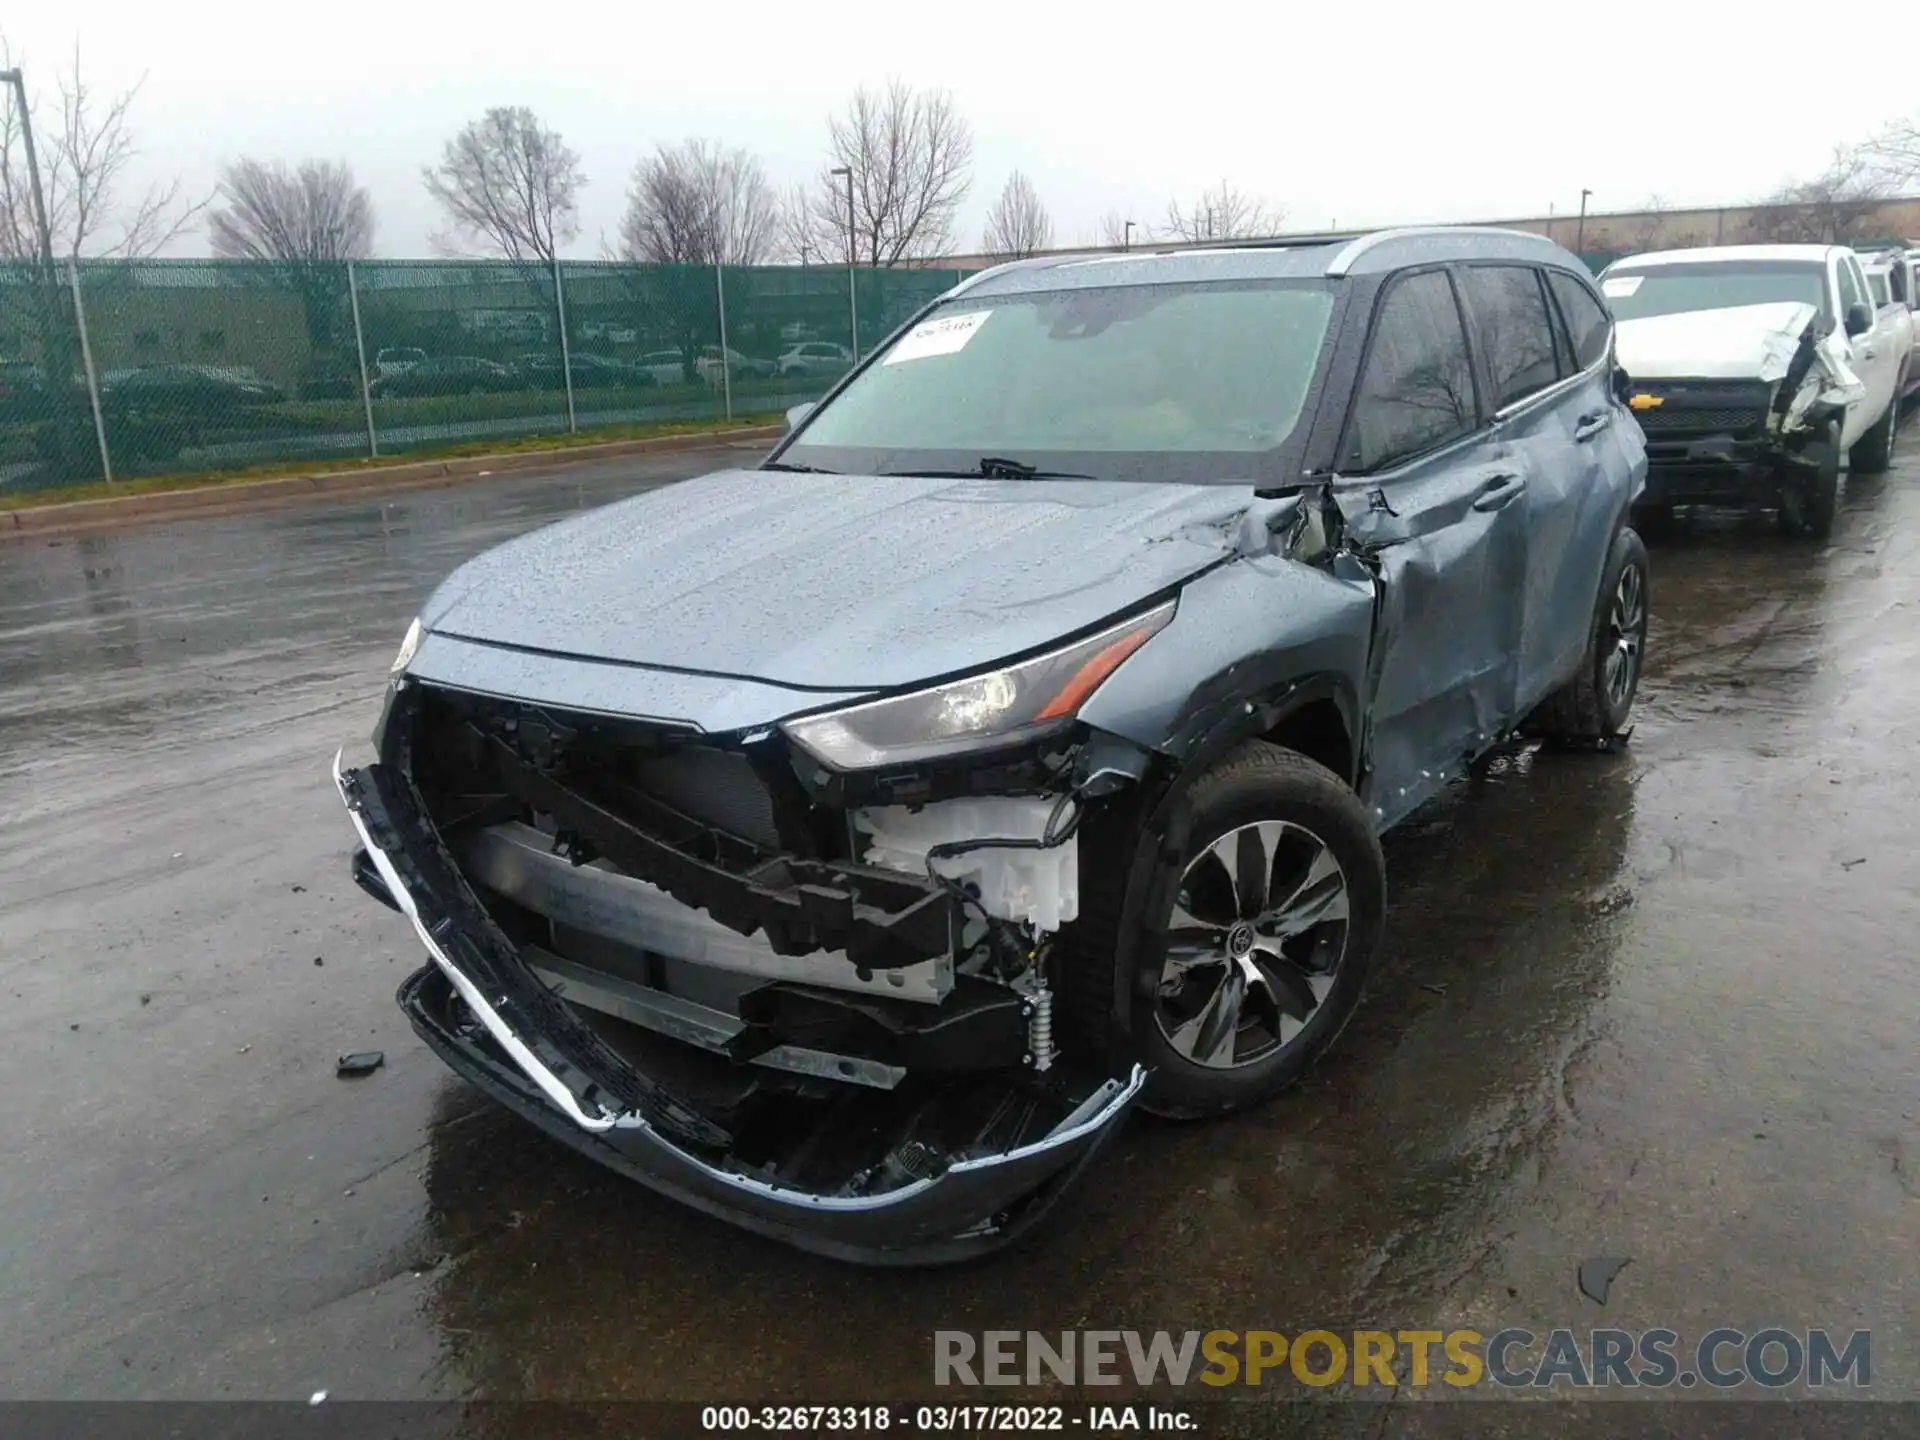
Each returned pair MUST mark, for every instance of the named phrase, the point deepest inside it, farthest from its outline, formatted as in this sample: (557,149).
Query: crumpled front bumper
(484,1020)
(1714,470)
(1746,469)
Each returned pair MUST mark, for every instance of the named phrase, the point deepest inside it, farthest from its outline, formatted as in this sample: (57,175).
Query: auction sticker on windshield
(1618,287)
(940,336)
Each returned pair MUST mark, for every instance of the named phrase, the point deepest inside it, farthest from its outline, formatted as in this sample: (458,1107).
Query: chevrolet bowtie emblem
(1647,402)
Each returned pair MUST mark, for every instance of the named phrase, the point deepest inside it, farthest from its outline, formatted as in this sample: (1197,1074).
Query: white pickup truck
(1757,371)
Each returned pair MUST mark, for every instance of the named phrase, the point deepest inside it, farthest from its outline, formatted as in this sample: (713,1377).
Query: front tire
(1594,705)
(1873,453)
(1809,501)
(1269,936)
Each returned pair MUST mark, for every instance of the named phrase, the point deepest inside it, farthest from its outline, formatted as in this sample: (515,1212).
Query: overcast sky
(1354,114)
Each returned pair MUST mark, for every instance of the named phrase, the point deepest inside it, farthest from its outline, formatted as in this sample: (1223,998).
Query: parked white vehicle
(393,359)
(815,357)
(609,332)
(1757,371)
(1891,277)
(667,367)
(740,367)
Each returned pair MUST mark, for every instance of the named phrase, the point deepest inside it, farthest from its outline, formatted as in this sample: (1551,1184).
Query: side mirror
(1859,319)
(799,413)
(1622,384)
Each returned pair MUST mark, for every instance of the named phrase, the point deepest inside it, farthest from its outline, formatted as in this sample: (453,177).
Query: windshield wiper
(798,469)
(995,467)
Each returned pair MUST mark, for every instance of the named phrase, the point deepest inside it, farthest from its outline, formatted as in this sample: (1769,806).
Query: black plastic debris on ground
(361,1062)
(1596,1276)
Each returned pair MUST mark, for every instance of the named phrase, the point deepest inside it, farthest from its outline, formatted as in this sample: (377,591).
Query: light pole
(1580,229)
(13,78)
(1126,236)
(853,299)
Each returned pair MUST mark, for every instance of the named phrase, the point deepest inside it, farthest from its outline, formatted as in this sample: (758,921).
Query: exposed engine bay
(804,996)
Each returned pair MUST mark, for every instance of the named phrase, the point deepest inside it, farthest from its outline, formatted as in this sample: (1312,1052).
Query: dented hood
(1744,342)
(836,581)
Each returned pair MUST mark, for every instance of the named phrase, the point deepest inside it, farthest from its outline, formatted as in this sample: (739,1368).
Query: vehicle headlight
(999,707)
(409,643)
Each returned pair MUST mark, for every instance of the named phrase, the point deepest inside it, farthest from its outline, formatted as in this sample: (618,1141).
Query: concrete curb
(244,495)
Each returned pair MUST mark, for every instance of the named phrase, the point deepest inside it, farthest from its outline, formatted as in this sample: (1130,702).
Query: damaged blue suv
(844,845)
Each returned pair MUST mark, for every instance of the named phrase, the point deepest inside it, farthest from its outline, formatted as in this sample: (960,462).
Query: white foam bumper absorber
(1040,887)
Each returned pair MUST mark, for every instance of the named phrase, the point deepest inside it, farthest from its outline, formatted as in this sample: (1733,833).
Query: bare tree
(86,155)
(909,153)
(698,203)
(1018,224)
(797,232)
(1646,230)
(691,207)
(301,226)
(1836,207)
(315,213)
(1895,152)
(1222,213)
(509,182)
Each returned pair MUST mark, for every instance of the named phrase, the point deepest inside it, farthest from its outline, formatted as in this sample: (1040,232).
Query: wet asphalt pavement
(1660,1005)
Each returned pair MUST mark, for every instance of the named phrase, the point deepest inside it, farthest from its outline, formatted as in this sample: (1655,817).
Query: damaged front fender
(1244,633)
(1818,380)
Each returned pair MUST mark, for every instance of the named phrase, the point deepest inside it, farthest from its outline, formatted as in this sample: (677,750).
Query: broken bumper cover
(1725,469)
(489,1019)
(1717,469)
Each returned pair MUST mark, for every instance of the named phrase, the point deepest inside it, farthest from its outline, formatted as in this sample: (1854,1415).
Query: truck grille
(1702,422)
(1703,407)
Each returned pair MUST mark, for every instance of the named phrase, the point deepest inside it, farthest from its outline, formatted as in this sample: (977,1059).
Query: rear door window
(1587,323)
(1417,389)
(1510,314)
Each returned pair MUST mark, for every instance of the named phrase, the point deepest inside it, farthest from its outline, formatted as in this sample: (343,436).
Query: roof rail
(1344,261)
(1305,240)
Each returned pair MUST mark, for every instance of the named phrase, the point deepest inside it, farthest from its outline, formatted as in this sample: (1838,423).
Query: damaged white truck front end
(1744,405)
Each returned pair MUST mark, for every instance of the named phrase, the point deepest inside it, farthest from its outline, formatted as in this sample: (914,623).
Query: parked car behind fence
(815,358)
(449,375)
(590,372)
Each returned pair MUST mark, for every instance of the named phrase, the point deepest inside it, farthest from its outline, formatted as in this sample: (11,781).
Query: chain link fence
(112,370)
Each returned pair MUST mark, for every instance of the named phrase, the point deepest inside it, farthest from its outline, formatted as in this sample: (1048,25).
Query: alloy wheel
(1253,946)
(1627,629)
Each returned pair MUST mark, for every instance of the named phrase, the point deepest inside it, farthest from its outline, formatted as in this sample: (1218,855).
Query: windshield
(1635,294)
(1179,381)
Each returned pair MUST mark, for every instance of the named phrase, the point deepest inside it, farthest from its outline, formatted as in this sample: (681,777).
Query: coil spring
(1040,1030)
